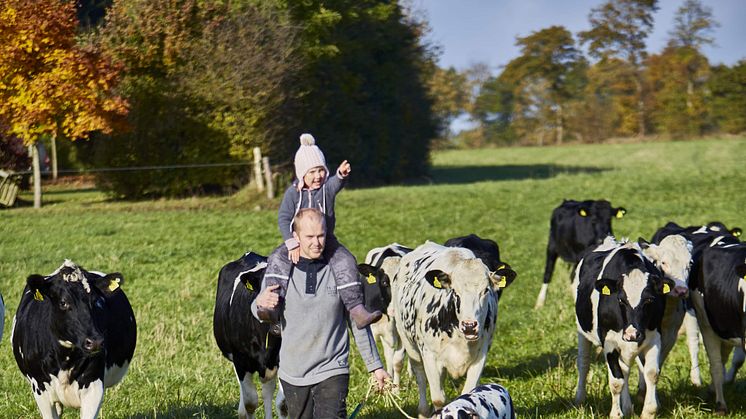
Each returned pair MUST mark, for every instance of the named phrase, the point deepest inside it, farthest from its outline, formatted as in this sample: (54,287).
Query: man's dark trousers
(326,399)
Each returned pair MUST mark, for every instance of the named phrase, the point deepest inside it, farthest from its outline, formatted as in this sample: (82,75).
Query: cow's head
(376,287)
(597,216)
(638,295)
(673,257)
(471,292)
(75,302)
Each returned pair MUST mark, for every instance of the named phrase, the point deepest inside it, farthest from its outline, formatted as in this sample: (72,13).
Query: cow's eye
(64,305)
(647,301)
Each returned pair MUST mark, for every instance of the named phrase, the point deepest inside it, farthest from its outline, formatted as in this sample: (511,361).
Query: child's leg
(350,289)
(276,273)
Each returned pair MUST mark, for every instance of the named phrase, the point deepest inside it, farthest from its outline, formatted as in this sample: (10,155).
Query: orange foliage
(49,85)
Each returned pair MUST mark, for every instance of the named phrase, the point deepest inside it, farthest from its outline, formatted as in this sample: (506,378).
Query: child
(313,189)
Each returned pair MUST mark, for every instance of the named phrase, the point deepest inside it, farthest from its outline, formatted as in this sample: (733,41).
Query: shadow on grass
(471,174)
(531,367)
(225,411)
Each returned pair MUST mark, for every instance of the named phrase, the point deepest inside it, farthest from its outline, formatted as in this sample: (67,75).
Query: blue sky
(484,31)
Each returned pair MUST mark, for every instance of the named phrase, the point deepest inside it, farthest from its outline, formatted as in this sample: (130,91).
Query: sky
(484,31)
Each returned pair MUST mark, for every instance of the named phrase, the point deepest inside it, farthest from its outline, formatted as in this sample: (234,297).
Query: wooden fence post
(268,178)
(258,169)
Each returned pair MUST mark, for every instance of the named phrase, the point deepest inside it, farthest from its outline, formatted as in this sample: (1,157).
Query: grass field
(170,252)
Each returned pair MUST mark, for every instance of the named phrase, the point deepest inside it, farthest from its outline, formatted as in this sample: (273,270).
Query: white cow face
(673,256)
(471,294)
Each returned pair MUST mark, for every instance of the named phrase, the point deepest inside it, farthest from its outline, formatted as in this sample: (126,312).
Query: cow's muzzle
(631,334)
(93,345)
(680,291)
(470,329)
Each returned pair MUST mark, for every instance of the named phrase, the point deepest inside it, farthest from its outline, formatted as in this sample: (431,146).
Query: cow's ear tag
(371,279)
(666,288)
(502,265)
(605,290)
(582,212)
(437,283)
(249,286)
(113,284)
(503,282)
(38,296)
(620,213)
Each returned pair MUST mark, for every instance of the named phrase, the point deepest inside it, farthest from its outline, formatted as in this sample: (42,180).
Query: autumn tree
(618,32)
(449,90)
(50,85)
(728,89)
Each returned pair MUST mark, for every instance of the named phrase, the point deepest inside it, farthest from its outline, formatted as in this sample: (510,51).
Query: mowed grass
(170,252)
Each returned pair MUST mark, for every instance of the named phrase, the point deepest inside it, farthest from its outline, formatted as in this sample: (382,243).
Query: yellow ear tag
(737,233)
(503,282)
(502,265)
(248,286)
(583,213)
(605,290)
(437,283)
(619,214)
(38,296)
(113,285)
(371,279)
(666,289)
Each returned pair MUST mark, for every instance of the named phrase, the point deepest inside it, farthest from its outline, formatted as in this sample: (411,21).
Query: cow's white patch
(634,283)
(75,276)
(673,256)
(259,266)
(742,287)
(701,230)
(716,241)
(115,374)
(65,344)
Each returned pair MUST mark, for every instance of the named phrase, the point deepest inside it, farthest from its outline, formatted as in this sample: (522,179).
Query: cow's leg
(91,398)
(692,342)
(641,387)
(616,383)
(548,270)
(584,364)
(249,400)
(398,364)
(269,382)
(474,372)
(45,405)
(650,376)
(738,357)
(423,409)
(717,369)
(435,381)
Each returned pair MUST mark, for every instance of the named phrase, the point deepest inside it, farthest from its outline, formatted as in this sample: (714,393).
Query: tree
(548,60)
(693,25)
(49,85)
(728,88)
(450,93)
(618,31)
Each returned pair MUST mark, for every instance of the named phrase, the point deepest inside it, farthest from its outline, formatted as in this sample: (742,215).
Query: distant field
(170,252)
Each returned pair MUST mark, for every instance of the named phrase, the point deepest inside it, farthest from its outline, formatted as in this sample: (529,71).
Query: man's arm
(267,298)
(366,346)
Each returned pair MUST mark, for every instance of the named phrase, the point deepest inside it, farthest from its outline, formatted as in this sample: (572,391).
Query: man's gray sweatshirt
(315,339)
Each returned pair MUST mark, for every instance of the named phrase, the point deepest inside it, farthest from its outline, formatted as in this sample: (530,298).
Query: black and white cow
(486,250)
(619,305)
(379,268)
(445,306)
(701,237)
(718,292)
(488,401)
(575,227)
(244,340)
(74,335)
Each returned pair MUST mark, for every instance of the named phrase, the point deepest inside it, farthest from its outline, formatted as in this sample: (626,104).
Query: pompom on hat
(308,156)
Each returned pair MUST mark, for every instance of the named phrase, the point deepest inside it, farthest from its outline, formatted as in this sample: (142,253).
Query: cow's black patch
(612,359)
(443,317)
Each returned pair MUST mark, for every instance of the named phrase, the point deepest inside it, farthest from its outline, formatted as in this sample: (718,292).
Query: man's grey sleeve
(366,346)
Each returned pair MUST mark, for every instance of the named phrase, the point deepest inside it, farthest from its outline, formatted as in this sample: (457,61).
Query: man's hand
(344,169)
(381,377)
(268,298)
(294,255)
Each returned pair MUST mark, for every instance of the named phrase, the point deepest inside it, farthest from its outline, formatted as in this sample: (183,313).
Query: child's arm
(336,182)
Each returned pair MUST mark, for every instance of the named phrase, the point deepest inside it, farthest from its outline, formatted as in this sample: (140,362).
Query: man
(314,368)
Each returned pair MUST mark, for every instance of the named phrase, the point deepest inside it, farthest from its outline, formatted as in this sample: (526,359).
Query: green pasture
(170,252)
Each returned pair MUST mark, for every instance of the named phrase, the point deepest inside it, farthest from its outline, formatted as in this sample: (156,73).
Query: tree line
(552,92)
(146,83)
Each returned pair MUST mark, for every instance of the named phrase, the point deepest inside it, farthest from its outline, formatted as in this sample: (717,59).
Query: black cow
(73,335)
(701,237)
(619,305)
(486,250)
(576,226)
(244,340)
(718,291)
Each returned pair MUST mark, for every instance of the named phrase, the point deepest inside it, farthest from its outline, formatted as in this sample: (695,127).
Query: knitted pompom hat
(307,157)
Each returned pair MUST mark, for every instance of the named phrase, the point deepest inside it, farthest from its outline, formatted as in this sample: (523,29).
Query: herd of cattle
(74,332)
